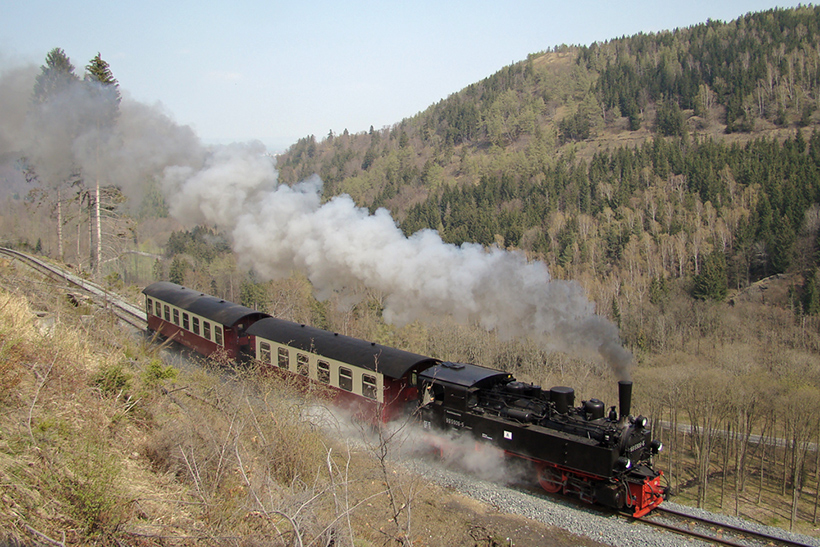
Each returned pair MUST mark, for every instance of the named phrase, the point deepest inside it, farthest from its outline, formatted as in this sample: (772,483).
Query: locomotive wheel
(549,479)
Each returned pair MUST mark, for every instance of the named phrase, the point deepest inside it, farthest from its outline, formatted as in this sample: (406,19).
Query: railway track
(715,532)
(124,310)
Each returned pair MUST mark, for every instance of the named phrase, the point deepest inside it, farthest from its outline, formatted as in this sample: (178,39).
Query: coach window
(324,372)
(176,316)
(157,309)
(196,325)
(302,364)
(345,379)
(186,324)
(149,305)
(218,334)
(284,360)
(369,386)
(264,352)
(206,330)
(167,313)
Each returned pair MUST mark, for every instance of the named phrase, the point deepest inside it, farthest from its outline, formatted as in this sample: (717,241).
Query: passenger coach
(199,321)
(372,379)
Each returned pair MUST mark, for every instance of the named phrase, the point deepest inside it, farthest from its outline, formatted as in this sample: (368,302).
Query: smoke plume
(278,229)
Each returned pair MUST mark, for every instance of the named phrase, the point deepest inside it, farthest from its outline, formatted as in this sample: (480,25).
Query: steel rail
(743,534)
(129,313)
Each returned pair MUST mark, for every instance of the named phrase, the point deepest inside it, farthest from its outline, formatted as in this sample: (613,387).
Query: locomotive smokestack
(624,399)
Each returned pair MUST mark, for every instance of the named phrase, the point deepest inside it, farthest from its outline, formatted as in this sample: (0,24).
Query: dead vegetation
(104,443)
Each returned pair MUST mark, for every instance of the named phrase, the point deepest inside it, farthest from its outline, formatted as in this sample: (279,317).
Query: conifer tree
(56,128)
(104,92)
(711,283)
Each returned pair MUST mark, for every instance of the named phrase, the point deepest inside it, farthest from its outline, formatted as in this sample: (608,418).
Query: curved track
(662,517)
(124,310)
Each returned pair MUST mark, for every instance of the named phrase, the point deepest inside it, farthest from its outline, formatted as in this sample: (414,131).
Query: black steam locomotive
(602,457)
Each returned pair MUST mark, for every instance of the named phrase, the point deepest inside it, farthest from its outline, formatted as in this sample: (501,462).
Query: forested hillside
(675,176)
(689,154)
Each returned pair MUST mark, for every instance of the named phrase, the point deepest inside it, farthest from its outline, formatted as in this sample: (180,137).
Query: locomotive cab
(600,457)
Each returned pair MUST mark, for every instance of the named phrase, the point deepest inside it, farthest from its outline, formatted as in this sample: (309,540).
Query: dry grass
(103,443)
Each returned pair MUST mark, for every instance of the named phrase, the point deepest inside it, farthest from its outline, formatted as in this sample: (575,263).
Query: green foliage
(659,290)
(252,293)
(203,244)
(153,202)
(112,379)
(714,56)
(55,77)
(669,119)
(811,293)
(711,283)
(576,127)
(616,312)
(155,374)
(91,486)
(114,280)
(179,267)
(103,89)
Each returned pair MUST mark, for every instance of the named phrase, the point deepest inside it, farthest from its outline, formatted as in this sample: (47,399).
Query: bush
(112,380)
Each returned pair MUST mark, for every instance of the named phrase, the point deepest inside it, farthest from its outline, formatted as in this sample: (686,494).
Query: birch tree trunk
(59,225)
(98,254)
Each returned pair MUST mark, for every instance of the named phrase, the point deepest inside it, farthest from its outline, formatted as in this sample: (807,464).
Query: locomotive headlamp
(623,463)
(656,446)
(640,421)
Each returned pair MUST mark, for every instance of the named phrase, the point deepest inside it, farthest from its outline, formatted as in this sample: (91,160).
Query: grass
(103,442)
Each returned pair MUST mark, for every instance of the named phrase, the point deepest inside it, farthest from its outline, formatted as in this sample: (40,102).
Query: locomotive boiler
(601,456)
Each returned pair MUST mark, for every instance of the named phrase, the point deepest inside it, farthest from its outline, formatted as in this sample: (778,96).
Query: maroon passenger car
(204,323)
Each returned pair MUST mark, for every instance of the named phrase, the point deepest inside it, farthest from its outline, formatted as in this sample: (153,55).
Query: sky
(277,71)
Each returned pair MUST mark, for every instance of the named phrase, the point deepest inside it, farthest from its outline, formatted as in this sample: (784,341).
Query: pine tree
(811,293)
(55,126)
(104,92)
(56,77)
(711,283)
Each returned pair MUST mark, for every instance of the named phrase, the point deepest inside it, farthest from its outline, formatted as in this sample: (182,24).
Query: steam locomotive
(602,457)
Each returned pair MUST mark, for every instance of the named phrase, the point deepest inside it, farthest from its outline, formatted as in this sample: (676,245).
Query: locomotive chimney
(624,399)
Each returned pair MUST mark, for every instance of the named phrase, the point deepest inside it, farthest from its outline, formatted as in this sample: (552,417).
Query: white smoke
(339,245)
(407,441)
(279,229)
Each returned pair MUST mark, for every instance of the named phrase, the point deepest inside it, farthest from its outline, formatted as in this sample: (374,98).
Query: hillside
(109,438)
(573,155)
(667,184)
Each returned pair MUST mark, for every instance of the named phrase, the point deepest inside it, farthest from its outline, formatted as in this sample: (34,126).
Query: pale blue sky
(277,71)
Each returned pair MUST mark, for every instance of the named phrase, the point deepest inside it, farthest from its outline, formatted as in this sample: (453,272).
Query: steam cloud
(279,229)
